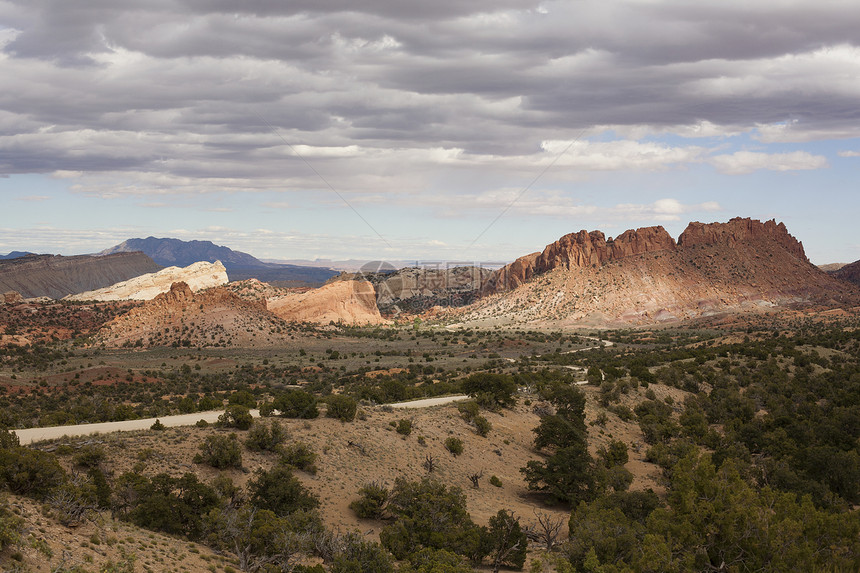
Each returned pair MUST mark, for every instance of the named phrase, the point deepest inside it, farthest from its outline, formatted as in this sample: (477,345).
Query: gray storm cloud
(161,92)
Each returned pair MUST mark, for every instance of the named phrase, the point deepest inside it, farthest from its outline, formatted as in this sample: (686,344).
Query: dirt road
(30,435)
(427,402)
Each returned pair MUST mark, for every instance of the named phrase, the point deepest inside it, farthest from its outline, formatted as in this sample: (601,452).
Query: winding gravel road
(30,435)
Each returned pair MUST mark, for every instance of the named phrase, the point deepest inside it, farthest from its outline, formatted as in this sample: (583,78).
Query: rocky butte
(644,276)
(582,249)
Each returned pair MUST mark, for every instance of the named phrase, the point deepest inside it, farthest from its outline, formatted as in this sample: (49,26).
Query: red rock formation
(743,265)
(582,249)
(11,297)
(349,302)
(181,314)
(739,230)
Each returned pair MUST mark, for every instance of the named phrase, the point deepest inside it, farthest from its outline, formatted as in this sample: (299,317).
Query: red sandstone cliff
(740,230)
(643,276)
(582,249)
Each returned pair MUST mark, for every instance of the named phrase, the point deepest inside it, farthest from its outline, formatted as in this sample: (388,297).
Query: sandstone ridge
(849,272)
(197,276)
(348,302)
(740,230)
(644,277)
(582,249)
(180,317)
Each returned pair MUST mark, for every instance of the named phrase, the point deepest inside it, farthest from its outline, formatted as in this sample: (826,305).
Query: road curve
(30,435)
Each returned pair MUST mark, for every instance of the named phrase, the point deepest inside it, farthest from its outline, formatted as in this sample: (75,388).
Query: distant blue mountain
(15,255)
(175,252)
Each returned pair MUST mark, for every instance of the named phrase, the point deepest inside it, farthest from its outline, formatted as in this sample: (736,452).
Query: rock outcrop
(197,276)
(11,297)
(741,230)
(583,249)
(180,317)
(348,302)
(418,289)
(644,277)
(56,276)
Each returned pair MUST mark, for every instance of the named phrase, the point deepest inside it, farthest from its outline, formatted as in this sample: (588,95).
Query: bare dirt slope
(350,455)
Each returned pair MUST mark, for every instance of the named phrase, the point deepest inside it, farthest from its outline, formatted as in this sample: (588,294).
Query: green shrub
(265,437)
(294,404)
(236,416)
(158,426)
(404,427)
(300,456)
(372,501)
(468,409)
(357,555)
(341,407)
(165,503)
(90,456)
(482,426)
(495,481)
(243,398)
(492,391)
(427,513)
(278,490)
(32,473)
(11,526)
(454,445)
(220,452)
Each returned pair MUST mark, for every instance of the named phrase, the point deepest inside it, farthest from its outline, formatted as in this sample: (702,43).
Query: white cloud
(743,162)
(849,153)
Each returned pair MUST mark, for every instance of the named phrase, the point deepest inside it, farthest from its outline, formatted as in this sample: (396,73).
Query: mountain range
(15,255)
(240,266)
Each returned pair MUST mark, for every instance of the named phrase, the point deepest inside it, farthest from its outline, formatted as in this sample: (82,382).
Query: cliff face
(198,276)
(581,250)
(58,276)
(642,277)
(740,230)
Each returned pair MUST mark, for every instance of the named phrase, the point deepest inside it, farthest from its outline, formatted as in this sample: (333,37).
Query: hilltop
(645,276)
(211,318)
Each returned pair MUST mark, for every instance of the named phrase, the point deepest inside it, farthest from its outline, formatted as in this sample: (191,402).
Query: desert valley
(632,404)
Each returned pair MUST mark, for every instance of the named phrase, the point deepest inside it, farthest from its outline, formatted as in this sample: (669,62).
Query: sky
(449,130)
